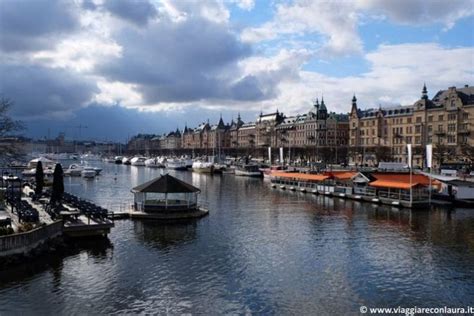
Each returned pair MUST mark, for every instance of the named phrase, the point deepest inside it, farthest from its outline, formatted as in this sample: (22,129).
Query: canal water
(260,251)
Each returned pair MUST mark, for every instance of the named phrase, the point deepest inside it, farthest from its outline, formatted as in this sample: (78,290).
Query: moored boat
(88,172)
(138,161)
(248,171)
(203,167)
(153,163)
(176,164)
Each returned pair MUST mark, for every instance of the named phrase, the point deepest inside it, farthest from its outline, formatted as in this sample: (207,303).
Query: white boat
(109,160)
(188,162)
(74,170)
(203,167)
(48,171)
(118,159)
(153,163)
(138,161)
(176,164)
(88,172)
(126,161)
(248,171)
(44,161)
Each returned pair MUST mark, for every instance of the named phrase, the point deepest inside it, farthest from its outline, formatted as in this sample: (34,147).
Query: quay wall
(23,243)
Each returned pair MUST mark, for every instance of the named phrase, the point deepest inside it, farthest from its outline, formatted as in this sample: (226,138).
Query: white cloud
(396,75)
(244,4)
(336,21)
(420,12)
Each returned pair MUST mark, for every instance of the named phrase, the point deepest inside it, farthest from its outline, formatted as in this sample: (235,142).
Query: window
(430,128)
(465,116)
(417,139)
(408,140)
(409,120)
(430,118)
(441,118)
(451,127)
(430,139)
(418,129)
(440,128)
(418,119)
(451,139)
(451,116)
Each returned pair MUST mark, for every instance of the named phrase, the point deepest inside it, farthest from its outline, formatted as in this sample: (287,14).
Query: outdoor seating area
(25,211)
(84,207)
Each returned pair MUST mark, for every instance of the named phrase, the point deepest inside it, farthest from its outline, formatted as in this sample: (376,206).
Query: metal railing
(23,242)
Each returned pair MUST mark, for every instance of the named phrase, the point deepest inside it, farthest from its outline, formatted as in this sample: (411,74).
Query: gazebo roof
(165,184)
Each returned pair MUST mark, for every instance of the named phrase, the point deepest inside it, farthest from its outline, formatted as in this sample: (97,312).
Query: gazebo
(165,194)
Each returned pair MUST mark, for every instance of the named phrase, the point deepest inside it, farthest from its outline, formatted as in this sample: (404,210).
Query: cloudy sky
(121,67)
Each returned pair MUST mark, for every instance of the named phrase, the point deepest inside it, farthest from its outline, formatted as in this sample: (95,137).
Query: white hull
(248,173)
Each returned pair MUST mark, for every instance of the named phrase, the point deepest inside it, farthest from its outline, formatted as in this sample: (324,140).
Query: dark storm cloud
(135,11)
(40,91)
(103,121)
(424,12)
(31,25)
(187,61)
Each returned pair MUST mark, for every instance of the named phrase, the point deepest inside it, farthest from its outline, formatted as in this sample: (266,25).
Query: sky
(122,67)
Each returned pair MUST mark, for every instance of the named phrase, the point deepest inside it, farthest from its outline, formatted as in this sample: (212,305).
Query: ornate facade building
(446,122)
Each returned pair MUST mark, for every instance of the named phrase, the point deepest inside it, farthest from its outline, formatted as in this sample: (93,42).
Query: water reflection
(261,250)
(162,236)
(97,250)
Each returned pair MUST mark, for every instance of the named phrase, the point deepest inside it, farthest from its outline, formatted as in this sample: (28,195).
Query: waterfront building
(171,141)
(446,121)
(265,128)
(234,132)
(218,137)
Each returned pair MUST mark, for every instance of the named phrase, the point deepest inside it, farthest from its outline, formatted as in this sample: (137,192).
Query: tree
(468,152)
(383,153)
(58,184)
(7,127)
(39,177)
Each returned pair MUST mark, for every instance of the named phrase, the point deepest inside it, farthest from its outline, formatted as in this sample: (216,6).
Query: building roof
(420,179)
(466,94)
(300,176)
(461,183)
(393,184)
(165,184)
(341,175)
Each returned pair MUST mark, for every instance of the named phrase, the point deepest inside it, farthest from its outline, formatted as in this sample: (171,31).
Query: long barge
(395,189)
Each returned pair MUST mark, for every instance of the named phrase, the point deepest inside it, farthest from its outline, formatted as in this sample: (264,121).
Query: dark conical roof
(165,184)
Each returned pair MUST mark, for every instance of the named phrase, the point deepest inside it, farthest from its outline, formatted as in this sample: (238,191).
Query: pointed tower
(221,124)
(239,121)
(323,111)
(354,105)
(424,92)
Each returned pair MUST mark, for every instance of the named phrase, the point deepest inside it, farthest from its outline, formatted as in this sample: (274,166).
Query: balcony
(464,131)
(440,133)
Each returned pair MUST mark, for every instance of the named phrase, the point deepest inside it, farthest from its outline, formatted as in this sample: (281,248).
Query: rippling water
(260,251)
